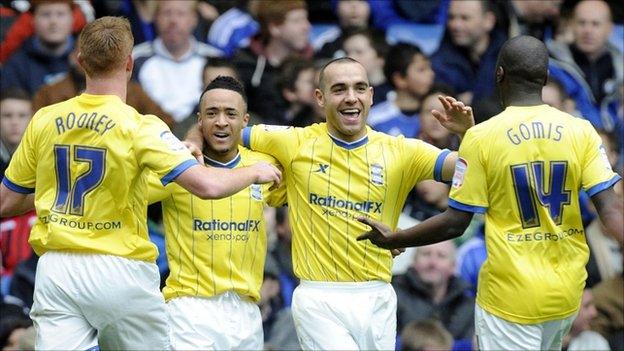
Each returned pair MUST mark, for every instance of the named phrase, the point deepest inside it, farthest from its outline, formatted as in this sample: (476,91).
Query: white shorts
(223,322)
(494,333)
(345,316)
(82,300)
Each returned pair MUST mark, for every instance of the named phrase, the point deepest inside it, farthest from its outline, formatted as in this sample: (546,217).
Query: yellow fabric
(524,168)
(330,183)
(86,158)
(214,246)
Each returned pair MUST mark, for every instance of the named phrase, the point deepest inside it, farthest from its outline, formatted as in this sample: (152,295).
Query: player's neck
(523,100)
(113,85)
(223,158)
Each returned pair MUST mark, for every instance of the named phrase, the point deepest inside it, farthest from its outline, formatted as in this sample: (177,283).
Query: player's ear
(500,74)
(245,120)
(129,64)
(320,99)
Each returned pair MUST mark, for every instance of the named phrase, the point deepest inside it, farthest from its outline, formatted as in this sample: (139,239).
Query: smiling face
(435,263)
(222,116)
(346,96)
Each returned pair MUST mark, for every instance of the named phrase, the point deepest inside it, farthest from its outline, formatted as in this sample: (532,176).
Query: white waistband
(337,286)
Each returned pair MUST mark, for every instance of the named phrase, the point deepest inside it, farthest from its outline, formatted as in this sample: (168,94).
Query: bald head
(592,26)
(524,61)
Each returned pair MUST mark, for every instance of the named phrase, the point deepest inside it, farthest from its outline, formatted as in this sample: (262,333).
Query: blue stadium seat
(321,34)
(426,36)
(617,37)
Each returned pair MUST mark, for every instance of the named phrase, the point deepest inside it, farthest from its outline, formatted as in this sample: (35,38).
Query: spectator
(169,68)
(44,57)
(554,94)
(15,113)
(296,84)
(590,67)
(409,72)
(13,324)
(430,289)
(426,335)
(534,18)
(73,84)
(351,14)
(609,300)
(20,27)
(284,30)
(431,130)
(581,337)
(467,54)
(369,47)
(388,13)
(233,29)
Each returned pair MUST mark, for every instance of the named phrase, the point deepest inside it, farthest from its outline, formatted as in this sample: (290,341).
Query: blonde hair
(104,45)
(426,334)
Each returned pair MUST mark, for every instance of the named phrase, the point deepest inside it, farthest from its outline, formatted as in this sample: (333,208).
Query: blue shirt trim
(247,137)
(466,208)
(603,186)
(17,188)
(231,164)
(437,170)
(351,145)
(174,173)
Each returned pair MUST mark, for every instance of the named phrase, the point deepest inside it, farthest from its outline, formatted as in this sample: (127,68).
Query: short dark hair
(290,70)
(212,62)
(375,37)
(399,58)
(345,59)
(525,61)
(228,83)
(14,93)
(441,89)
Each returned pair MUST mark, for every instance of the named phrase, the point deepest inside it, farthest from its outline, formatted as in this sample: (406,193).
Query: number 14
(528,179)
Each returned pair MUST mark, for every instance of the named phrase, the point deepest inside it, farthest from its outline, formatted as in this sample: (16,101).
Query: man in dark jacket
(44,57)
(430,290)
(467,55)
(284,30)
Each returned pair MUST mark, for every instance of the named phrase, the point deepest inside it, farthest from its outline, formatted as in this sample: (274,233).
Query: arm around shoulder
(217,183)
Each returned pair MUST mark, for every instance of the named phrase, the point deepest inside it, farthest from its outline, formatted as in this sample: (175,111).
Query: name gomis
(534,130)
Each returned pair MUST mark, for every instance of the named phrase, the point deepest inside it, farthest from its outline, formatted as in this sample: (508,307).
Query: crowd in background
(413,51)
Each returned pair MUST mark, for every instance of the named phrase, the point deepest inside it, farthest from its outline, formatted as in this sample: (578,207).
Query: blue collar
(230,164)
(351,145)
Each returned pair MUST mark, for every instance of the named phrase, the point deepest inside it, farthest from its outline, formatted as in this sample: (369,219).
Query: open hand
(378,235)
(457,117)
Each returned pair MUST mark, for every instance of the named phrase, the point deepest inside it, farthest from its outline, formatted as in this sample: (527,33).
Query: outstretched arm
(447,225)
(609,207)
(13,203)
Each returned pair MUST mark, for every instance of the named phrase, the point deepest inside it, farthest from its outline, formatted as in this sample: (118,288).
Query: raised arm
(444,226)
(457,118)
(13,203)
(216,183)
(610,210)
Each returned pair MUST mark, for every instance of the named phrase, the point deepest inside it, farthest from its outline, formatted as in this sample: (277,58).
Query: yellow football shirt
(330,182)
(214,246)
(524,168)
(85,160)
